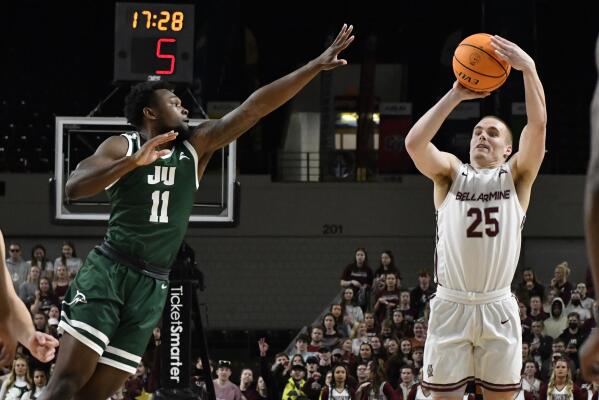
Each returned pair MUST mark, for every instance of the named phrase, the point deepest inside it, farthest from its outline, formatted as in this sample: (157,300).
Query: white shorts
(473,336)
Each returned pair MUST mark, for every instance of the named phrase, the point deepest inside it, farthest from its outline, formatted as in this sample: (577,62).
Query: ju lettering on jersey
(166,176)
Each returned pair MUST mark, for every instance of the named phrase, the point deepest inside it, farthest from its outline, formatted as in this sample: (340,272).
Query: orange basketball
(476,65)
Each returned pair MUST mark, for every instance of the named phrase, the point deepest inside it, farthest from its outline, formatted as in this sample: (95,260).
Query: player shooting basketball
(474,330)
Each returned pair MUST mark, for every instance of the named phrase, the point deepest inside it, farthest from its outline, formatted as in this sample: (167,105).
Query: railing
(335,166)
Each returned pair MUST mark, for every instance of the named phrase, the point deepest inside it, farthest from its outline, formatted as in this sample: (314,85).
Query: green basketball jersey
(151,204)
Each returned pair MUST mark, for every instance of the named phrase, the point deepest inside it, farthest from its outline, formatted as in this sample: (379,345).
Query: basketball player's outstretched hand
(512,53)
(467,94)
(42,346)
(328,60)
(147,154)
(589,357)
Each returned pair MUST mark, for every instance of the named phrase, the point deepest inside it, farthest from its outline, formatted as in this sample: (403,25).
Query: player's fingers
(164,138)
(347,42)
(340,34)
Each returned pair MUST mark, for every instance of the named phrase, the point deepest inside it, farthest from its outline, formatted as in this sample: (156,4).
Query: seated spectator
(293,389)
(40,380)
(347,353)
(359,336)
(536,312)
(301,346)
(223,387)
(557,321)
(530,381)
(40,322)
(314,380)
(362,373)
(297,359)
(420,294)
(372,328)
(339,388)
(529,286)
(405,347)
(261,388)
(401,327)
(540,344)
(377,348)
(417,357)
(387,299)
(406,383)
(17,267)
(18,381)
(575,305)
(136,386)
(246,384)
(391,347)
(39,259)
(585,300)
(573,337)
(366,354)
(405,306)
(44,298)
(386,330)
(376,387)
(340,326)
(316,335)
(325,360)
(419,334)
(352,312)
(561,386)
(551,295)
(60,285)
(358,275)
(558,350)
(69,259)
(28,288)
(330,337)
(560,281)
(386,266)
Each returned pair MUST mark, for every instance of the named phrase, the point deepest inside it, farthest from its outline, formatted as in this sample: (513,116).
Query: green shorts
(113,309)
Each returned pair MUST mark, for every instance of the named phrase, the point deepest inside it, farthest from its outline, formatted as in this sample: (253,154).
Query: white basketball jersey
(479,231)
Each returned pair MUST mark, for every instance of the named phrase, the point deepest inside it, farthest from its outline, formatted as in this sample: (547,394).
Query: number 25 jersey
(479,227)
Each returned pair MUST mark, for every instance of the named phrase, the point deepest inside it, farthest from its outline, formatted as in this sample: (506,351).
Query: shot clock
(153,42)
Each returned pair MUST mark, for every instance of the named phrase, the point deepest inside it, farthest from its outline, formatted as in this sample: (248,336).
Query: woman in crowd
(39,258)
(60,285)
(339,388)
(40,380)
(561,386)
(359,336)
(377,386)
(28,288)
(69,259)
(18,381)
(44,297)
(352,312)
(529,287)
(330,337)
(530,382)
(358,275)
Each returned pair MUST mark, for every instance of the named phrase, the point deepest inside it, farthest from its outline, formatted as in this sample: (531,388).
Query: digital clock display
(153,42)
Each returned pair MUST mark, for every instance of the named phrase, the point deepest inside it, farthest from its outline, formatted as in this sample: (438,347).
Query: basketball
(476,65)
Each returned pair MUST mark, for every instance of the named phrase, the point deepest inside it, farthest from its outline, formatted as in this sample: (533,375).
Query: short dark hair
(140,96)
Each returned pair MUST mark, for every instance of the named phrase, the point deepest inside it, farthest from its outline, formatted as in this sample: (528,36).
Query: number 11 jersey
(479,228)
(151,205)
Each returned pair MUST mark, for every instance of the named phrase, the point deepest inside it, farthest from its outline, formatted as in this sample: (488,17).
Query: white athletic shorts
(473,336)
